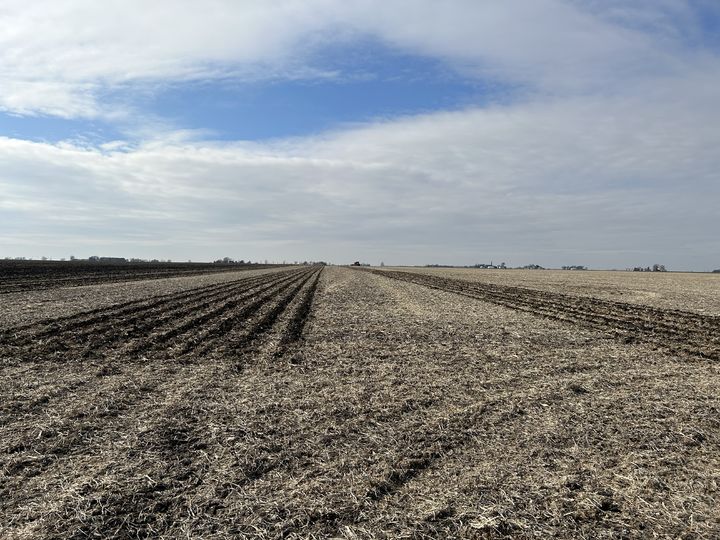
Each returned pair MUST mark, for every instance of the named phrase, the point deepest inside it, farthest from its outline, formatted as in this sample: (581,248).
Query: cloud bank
(606,155)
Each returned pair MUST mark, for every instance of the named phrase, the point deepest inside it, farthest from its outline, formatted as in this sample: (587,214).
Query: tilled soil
(18,276)
(35,305)
(688,291)
(675,330)
(338,403)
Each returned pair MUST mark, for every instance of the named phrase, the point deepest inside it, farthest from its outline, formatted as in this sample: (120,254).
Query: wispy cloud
(59,58)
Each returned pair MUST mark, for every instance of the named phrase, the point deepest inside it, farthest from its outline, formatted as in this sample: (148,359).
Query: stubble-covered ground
(302,403)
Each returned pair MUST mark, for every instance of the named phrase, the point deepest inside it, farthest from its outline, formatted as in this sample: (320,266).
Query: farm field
(310,402)
(671,290)
(34,275)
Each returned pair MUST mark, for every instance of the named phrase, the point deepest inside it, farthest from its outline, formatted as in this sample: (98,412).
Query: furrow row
(104,409)
(215,322)
(89,336)
(13,284)
(110,314)
(173,431)
(64,381)
(668,319)
(678,331)
(300,317)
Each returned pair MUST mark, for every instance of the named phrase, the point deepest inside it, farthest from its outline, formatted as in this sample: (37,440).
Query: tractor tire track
(677,331)
(426,445)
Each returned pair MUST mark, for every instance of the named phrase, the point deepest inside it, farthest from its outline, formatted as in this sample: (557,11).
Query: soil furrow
(30,454)
(234,343)
(644,316)
(189,434)
(171,429)
(110,315)
(300,318)
(207,339)
(69,278)
(198,322)
(49,355)
(675,330)
(110,367)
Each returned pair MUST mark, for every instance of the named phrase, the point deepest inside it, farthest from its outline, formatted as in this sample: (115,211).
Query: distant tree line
(654,268)
(501,266)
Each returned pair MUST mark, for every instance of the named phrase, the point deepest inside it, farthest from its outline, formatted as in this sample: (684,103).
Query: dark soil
(18,276)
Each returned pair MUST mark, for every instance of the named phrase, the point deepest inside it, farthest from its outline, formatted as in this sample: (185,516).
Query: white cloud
(61,58)
(609,158)
(601,181)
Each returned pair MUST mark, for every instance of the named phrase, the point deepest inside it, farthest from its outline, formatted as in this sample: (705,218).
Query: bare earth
(34,305)
(342,403)
(670,290)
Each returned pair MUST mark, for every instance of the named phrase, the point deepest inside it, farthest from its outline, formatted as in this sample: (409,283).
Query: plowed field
(337,403)
(35,275)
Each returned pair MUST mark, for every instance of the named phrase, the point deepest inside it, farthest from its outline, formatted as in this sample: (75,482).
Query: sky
(551,132)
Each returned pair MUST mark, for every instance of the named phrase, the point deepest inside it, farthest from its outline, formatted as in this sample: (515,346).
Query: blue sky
(374,85)
(363,82)
(532,131)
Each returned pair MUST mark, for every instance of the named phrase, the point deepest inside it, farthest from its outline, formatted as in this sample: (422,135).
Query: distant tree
(73,258)
(382,263)
(43,258)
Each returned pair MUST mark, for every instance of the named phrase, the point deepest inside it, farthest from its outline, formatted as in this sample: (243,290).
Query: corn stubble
(309,403)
